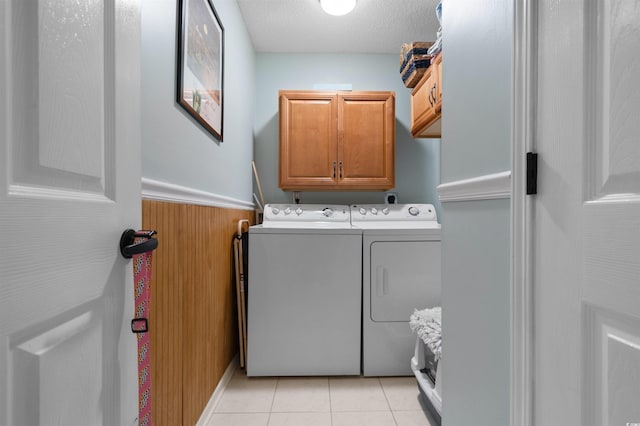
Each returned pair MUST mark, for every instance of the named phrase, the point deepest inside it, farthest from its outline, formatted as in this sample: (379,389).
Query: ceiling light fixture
(337,7)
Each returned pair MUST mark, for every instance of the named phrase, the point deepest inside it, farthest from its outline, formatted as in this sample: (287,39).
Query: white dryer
(400,273)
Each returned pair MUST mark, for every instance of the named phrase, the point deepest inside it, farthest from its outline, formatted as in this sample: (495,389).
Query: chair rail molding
(163,191)
(488,187)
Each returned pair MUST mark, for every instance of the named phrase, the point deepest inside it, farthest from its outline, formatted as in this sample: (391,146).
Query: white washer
(400,273)
(304,292)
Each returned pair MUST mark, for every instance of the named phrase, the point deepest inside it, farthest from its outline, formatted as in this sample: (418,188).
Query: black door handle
(128,246)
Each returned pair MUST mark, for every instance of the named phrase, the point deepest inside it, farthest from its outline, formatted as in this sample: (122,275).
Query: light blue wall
(175,149)
(475,313)
(477,79)
(476,234)
(417,160)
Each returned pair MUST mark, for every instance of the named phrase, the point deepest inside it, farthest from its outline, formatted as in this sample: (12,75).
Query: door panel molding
(27,191)
(47,360)
(611,345)
(58,73)
(613,154)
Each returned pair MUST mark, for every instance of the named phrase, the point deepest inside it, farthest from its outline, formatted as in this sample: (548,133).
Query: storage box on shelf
(426,102)
(416,48)
(414,61)
(414,69)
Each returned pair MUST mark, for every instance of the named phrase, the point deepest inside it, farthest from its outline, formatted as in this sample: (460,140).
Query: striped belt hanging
(141,251)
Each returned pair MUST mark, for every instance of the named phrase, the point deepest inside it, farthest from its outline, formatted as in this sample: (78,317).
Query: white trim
(487,187)
(156,190)
(522,140)
(206,417)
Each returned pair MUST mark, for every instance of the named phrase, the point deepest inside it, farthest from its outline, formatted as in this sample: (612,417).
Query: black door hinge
(532,173)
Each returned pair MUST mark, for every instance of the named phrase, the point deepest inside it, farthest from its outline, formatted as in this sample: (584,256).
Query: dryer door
(405,275)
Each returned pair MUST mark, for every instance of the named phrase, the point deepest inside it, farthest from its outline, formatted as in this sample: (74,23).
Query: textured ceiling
(374,26)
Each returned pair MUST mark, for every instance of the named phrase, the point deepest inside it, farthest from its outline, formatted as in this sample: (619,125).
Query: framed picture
(200,63)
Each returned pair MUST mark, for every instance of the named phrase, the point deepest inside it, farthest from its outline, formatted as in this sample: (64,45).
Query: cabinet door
(422,110)
(426,103)
(308,140)
(366,140)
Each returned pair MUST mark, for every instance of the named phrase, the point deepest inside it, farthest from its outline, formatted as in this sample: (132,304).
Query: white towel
(427,323)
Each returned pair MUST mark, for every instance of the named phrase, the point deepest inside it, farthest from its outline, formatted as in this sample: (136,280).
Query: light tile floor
(319,401)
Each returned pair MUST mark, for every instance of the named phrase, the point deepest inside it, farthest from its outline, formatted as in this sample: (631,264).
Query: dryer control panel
(394,216)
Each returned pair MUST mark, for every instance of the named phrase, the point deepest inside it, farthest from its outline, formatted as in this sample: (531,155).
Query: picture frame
(201,64)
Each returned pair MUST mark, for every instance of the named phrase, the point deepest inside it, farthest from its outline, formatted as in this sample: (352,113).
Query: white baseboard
(487,187)
(207,414)
(163,191)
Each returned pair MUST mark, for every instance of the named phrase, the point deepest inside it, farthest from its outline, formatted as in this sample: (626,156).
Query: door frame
(523,122)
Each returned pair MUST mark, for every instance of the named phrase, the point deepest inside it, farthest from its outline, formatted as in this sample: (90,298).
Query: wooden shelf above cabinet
(426,103)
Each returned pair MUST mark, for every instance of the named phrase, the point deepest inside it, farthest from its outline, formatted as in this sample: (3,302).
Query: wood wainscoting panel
(193,316)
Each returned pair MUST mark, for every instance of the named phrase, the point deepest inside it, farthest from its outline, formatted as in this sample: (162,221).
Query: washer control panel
(306,216)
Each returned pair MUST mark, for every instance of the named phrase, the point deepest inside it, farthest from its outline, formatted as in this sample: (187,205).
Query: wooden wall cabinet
(336,140)
(426,103)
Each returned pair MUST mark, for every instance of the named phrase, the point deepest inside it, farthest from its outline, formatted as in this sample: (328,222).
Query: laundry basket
(426,363)
(423,365)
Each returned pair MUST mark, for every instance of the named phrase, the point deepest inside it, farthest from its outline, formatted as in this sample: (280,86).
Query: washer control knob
(327,212)
(275,210)
(362,211)
(374,210)
(413,211)
(287,210)
(298,211)
(385,211)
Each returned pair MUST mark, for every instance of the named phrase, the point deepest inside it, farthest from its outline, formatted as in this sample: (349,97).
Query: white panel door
(587,215)
(69,186)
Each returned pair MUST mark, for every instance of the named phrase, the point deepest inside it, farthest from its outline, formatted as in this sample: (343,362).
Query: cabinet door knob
(334,169)
(341,170)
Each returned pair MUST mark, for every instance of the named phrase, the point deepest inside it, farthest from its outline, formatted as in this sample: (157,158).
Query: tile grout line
(330,406)
(388,402)
(273,400)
